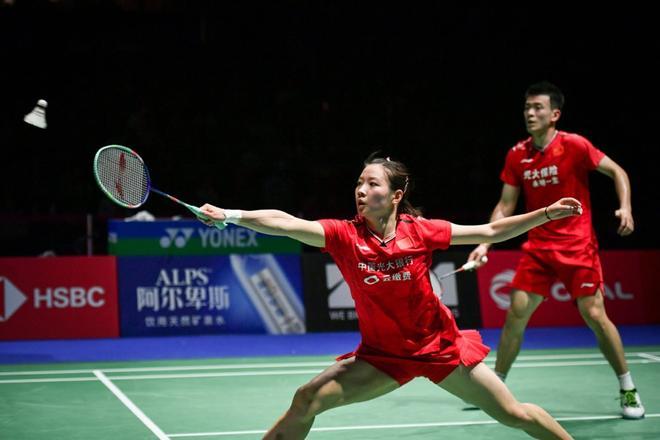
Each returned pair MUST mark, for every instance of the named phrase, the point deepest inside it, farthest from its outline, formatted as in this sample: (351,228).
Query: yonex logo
(10,299)
(178,236)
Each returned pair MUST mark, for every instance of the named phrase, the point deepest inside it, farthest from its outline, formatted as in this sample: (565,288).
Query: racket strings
(123,176)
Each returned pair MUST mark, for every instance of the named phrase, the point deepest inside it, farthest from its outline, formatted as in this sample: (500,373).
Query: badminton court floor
(239,398)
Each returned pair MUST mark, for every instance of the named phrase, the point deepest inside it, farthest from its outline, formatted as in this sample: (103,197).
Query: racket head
(122,175)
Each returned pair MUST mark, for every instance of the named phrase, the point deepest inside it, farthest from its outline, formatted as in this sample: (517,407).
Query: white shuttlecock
(37,116)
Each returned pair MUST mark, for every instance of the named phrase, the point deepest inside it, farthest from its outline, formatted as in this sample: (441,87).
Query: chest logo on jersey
(545,176)
(363,248)
(378,267)
(558,150)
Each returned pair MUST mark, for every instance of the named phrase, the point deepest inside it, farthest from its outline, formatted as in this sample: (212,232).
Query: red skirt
(467,349)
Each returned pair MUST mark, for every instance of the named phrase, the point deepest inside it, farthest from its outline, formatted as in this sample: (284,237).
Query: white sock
(626,382)
(502,376)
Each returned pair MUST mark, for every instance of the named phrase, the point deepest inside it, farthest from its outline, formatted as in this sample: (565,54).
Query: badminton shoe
(631,405)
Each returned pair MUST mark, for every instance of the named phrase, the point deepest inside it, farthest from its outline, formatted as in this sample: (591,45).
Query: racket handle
(473,264)
(199,214)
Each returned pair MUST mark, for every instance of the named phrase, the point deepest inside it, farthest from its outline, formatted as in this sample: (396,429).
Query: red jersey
(560,170)
(398,312)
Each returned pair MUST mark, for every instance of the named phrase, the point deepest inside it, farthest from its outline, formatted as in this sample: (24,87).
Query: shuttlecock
(37,116)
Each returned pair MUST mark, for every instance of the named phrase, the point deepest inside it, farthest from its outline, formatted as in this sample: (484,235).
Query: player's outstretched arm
(268,221)
(622,186)
(509,227)
(505,207)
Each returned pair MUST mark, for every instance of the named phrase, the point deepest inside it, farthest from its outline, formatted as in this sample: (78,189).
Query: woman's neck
(384,226)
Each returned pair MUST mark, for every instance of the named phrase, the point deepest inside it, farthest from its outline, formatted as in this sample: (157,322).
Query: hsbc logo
(69,297)
(11,298)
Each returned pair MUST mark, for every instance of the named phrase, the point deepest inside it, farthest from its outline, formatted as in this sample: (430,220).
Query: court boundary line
(180,368)
(137,412)
(291,372)
(398,426)
(648,357)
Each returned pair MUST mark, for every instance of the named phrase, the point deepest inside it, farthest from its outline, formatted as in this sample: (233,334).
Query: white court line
(232,374)
(649,356)
(167,376)
(180,368)
(572,364)
(397,426)
(290,372)
(535,357)
(49,380)
(130,405)
(653,356)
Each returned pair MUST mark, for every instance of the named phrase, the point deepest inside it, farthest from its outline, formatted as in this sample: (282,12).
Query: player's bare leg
(522,307)
(592,309)
(345,382)
(480,386)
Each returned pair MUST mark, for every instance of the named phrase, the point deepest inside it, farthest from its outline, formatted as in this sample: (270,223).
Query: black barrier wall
(329,306)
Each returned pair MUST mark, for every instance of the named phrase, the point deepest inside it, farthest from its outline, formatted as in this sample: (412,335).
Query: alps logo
(178,237)
(11,299)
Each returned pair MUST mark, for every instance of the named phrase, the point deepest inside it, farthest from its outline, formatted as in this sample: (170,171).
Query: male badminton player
(547,164)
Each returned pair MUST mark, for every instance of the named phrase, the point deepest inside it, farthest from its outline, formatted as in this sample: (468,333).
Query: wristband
(232,215)
(546,214)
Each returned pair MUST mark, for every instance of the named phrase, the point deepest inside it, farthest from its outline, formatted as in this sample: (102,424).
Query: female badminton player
(384,254)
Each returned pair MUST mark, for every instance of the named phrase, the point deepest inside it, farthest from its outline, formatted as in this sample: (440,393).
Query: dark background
(275,104)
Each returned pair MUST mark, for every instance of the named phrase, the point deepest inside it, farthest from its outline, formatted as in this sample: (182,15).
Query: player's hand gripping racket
(124,177)
(436,280)
(470,265)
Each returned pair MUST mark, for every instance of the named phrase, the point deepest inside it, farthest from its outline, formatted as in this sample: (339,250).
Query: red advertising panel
(632,290)
(59,297)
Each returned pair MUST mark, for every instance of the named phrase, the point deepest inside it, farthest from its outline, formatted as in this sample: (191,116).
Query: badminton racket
(124,177)
(470,265)
(436,280)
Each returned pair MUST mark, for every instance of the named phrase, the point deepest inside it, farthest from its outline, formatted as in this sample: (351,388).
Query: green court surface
(240,398)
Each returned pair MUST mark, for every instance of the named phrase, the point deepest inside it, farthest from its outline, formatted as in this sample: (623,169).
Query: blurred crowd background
(275,104)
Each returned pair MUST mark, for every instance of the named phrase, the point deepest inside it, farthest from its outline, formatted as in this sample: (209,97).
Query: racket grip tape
(199,214)
(473,264)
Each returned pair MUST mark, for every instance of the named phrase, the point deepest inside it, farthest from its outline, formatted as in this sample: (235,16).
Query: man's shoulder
(521,146)
(568,138)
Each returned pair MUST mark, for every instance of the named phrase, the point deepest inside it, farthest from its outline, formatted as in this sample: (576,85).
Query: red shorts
(580,271)
(468,349)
